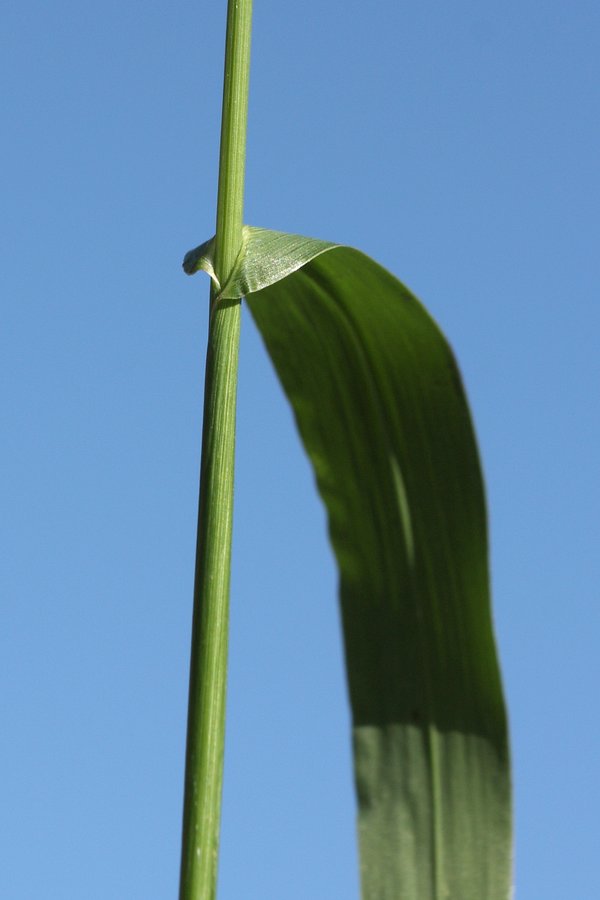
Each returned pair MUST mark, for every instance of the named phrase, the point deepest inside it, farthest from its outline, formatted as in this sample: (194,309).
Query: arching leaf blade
(381,411)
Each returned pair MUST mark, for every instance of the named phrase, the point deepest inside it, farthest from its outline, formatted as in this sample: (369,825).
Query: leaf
(264,258)
(382,414)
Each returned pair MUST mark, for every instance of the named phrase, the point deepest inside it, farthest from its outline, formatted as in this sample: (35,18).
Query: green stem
(208,667)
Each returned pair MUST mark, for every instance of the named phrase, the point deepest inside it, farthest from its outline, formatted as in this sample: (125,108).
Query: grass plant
(383,416)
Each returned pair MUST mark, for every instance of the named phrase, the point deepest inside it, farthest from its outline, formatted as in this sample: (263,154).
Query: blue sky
(458,144)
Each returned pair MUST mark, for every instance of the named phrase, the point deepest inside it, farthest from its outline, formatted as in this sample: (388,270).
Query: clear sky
(459,145)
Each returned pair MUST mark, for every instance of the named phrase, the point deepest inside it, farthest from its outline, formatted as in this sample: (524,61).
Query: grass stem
(208,666)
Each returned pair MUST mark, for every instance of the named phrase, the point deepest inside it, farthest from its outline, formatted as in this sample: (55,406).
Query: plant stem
(208,667)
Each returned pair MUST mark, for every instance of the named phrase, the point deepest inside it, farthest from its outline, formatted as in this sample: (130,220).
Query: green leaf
(265,258)
(382,414)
